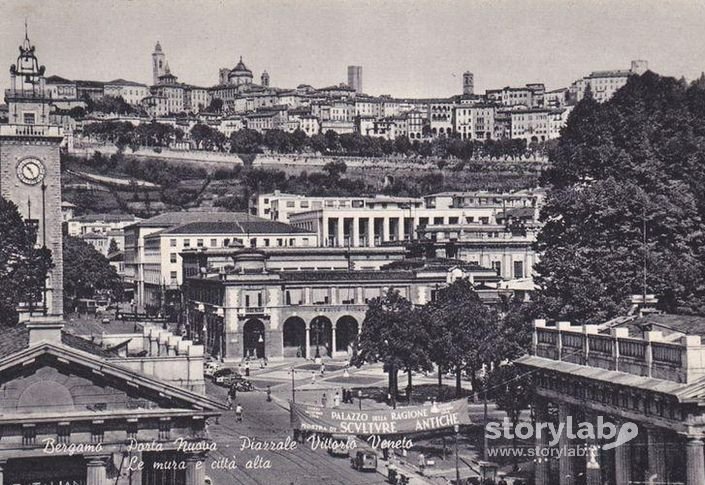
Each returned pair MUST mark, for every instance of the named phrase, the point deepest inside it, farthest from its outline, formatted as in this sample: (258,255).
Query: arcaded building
(249,310)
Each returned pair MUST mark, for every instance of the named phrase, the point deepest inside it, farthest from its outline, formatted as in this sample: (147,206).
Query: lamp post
(293,386)
(456,428)
(317,330)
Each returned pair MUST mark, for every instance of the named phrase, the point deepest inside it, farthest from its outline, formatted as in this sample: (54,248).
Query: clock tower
(30,173)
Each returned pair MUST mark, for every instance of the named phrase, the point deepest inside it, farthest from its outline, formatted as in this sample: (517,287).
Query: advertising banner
(402,420)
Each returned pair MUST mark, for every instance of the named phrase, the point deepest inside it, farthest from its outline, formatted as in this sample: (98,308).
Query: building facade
(251,311)
(647,371)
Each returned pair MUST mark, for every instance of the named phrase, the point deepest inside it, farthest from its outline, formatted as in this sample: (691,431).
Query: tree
(23,268)
(215,106)
(335,169)
(627,188)
(113,247)
(87,272)
(394,332)
(207,138)
(511,391)
(245,141)
(464,331)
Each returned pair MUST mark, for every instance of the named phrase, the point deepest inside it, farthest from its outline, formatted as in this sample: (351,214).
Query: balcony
(31,130)
(253,311)
(681,361)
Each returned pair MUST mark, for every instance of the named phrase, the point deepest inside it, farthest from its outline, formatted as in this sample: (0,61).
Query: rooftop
(170,219)
(14,338)
(259,226)
(104,218)
(123,82)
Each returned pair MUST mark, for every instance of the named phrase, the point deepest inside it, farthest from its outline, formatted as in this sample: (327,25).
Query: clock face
(30,171)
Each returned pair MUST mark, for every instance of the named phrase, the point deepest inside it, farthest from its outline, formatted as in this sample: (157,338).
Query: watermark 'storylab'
(601,431)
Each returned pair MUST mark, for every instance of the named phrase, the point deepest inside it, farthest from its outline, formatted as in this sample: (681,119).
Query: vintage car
(364,461)
(338,445)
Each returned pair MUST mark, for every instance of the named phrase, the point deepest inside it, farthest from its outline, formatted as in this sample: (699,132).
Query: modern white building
(377,224)
(278,206)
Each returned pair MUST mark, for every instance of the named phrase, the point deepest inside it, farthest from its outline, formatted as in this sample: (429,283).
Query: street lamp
(317,330)
(293,386)
(456,428)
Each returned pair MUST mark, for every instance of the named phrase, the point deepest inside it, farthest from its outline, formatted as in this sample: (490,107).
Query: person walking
(323,368)
(313,377)
(336,400)
(238,413)
(230,401)
(233,391)
(324,400)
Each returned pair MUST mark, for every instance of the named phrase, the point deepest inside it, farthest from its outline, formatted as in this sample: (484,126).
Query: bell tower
(30,170)
(158,63)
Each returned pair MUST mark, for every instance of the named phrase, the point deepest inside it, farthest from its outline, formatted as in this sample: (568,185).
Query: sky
(409,48)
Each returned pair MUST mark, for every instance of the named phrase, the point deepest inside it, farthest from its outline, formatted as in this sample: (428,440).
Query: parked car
(211,367)
(364,460)
(220,374)
(230,380)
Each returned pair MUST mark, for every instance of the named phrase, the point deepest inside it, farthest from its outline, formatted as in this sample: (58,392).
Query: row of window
(266,242)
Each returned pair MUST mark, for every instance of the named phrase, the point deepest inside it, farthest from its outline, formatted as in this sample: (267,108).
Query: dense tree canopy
(464,331)
(394,332)
(87,272)
(23,267)
(635,162)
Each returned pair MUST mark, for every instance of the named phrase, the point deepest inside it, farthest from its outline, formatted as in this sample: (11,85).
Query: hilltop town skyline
(551,44)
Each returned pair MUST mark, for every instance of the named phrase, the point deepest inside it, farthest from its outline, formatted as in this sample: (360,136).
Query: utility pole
(293,386)
(484,434)
(457,464)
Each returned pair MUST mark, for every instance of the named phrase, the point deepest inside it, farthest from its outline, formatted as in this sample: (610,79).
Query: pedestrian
(324,400)
(247,369)
(230,401)
(336,400)
(313,377)
(323,368)
(269,393)
(345,396)
(233,391)
(346,374)
(422,461)
(238,412)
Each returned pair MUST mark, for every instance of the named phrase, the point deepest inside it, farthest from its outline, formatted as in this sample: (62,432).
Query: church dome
(241,68)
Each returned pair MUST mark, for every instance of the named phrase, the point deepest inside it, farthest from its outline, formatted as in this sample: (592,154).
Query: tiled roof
(617,73)
(170,219)
(16,337)
(123,82)
(667,323)
(58,79)
(105,218)
(260,226)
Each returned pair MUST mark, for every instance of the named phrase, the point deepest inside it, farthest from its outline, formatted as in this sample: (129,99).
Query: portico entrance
(253,339)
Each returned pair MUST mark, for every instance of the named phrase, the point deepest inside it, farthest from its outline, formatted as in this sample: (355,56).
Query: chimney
(44,329)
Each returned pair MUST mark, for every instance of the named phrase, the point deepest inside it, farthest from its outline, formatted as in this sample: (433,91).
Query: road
(267,421)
